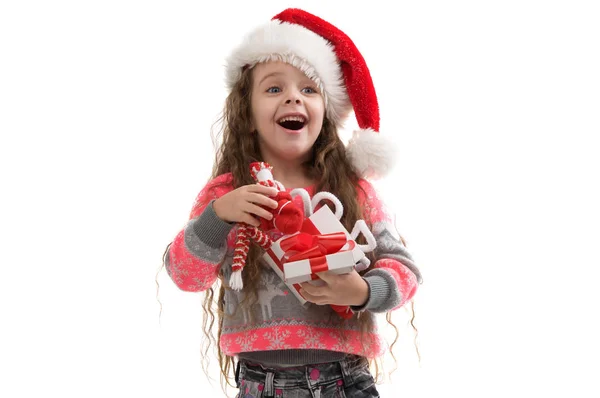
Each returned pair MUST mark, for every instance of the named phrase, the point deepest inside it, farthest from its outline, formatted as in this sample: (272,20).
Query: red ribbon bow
(306,246)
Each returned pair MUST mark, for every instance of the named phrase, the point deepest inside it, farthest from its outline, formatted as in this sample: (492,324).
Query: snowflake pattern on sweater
(277,321)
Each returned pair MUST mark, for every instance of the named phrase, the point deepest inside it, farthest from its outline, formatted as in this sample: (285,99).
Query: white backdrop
(105,114)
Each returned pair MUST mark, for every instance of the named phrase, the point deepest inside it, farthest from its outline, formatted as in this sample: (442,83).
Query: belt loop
(237,374)
(346,375)
(269,390)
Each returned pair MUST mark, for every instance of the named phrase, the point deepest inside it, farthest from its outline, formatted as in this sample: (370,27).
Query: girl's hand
(344,289)
(244,203)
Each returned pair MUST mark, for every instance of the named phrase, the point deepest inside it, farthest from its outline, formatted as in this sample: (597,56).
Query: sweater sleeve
(393,278)
(195,255)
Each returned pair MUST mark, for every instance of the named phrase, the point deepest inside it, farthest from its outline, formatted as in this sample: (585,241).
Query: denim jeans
(349,378)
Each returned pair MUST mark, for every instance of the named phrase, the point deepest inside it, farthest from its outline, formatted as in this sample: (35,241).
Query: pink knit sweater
(278,327)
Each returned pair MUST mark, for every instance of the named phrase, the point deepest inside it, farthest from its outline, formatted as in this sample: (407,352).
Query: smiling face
(287,111)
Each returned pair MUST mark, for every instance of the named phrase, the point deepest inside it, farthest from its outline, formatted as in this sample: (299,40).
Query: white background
(105,116)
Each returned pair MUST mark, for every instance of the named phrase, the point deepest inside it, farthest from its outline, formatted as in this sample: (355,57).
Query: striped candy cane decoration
(261,172)
(242,246)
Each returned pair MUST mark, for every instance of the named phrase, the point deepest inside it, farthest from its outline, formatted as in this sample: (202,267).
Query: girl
(292,82)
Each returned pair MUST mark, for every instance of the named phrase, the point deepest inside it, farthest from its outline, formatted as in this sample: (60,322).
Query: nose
(294,97)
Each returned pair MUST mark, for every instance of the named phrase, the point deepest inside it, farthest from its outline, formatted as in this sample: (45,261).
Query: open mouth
(292,122)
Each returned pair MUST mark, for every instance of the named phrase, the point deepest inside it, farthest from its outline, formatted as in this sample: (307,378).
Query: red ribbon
(305,246)
(317,264)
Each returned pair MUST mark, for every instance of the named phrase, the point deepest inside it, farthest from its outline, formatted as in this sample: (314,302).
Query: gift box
(323,244)
(303,266)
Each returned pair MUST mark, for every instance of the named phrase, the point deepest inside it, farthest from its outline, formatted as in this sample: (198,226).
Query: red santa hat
(328,57)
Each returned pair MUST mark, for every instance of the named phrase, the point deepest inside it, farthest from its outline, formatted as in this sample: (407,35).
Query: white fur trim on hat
(371,154)
(300,47)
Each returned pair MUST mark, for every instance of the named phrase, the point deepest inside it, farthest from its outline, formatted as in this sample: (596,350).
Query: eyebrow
(269,75)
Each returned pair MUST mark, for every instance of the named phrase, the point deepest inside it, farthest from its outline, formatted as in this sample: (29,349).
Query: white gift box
(322,222)
(341,262)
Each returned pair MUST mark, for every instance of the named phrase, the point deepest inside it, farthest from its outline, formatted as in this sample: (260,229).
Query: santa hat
(328,57)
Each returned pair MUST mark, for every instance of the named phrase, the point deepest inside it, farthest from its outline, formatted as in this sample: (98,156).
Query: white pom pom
(371,154)
(235,281)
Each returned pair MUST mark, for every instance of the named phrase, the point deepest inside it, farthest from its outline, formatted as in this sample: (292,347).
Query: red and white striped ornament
(262,174)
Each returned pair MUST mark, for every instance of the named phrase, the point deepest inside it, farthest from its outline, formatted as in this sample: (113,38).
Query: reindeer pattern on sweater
(277,320)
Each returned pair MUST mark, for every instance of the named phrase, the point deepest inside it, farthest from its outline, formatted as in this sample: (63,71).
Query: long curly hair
(328,166)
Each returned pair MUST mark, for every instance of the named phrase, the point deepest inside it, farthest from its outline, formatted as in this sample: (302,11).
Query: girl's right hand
(244,203)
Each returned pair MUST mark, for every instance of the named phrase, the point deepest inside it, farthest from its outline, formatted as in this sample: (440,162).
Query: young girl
(292,83)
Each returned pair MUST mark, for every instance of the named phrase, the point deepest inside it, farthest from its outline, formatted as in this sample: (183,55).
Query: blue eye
(273,90)
(309,90)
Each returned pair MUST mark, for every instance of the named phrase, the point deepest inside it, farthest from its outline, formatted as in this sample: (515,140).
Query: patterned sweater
(278,329)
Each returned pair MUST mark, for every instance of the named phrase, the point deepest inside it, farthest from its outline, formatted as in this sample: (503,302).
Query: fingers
(328,277)
(320,300)
(261,199)
(253,202)
(312,298)
(258,211)
(315,294)
(337,289)
(269,191)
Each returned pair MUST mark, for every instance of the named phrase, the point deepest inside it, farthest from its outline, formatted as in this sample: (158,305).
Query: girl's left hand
(344,289)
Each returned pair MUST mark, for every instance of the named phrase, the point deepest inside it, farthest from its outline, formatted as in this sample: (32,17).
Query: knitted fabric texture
(277,326)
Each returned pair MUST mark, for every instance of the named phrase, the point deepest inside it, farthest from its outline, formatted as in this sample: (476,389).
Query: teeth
(292,118)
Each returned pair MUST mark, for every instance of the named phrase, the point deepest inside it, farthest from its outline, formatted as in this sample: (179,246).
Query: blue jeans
(349,378)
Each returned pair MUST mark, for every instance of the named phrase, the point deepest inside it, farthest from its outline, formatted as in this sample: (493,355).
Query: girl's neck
(292,183)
